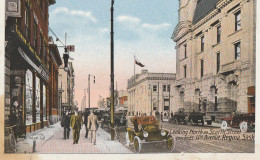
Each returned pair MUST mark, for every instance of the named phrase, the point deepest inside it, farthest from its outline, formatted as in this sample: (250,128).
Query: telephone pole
(112,69)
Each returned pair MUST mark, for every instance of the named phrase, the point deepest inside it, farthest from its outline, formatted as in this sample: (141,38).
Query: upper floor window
(201,68)
(218,62)
(40,46)
(218,34)
(185,71)
(237,50)
(27,22)
(202,43)
(154,88)
(164,88)
(169,88)
(35,35)
(237,20)
(185,50)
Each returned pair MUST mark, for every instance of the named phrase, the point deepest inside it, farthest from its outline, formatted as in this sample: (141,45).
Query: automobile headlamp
(145,134)
(163,133)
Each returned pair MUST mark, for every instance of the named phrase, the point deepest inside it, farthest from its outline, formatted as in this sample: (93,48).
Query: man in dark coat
(65,123)
(86,123)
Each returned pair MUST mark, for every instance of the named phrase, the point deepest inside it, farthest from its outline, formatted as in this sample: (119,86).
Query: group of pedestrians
(75,121)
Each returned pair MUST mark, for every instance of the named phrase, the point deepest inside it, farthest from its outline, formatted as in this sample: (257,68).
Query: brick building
(27,63)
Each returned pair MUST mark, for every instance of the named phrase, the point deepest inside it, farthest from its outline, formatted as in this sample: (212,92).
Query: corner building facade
(215,49)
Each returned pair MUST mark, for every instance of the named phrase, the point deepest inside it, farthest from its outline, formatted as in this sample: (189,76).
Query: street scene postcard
(126,77)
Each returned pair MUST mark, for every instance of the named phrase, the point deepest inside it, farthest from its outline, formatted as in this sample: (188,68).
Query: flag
(138,63)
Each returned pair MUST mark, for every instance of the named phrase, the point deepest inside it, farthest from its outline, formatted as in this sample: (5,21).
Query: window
(216,104)
(40,46)
(185,71)
(202,43)
(154,88)
(237,50)
(169,88)
(185,50)
(218,34)
(166,104)
(218,62)
(201,67)
(164,88)
(27,23)
(237,20)
(35,35)
(37,99)
(45,53)
(29,96)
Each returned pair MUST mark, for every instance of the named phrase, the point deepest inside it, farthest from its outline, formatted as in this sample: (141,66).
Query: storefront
(29,80)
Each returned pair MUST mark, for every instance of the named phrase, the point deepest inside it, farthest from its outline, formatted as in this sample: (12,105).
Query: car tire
(127,140)
(202,122)
(170,143)
(137,145)
(243,127)
(224,125)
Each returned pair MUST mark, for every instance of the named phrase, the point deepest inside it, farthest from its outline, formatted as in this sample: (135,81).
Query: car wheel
(191,122)
(176,121)
(127,139)
(170,143)
(202,122)
(137,144)
(224,125)
(209,122)
(243,126)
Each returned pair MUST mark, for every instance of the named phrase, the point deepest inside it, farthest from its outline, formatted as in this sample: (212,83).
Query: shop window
(37,99)
(29,96)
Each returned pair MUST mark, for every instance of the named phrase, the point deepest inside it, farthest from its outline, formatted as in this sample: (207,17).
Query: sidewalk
(54,143)
(25,145)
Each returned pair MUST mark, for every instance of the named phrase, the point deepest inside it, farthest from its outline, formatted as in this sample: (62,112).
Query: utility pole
(112,70)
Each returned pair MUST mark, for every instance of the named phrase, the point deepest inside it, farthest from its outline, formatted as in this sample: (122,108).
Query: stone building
(27,67)
(215,49)
(67,87)
(150,93)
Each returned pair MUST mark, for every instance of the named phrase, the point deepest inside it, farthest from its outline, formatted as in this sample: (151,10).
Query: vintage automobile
(244,121)
(119,117)
(195,117)
(144,130)
(179,116)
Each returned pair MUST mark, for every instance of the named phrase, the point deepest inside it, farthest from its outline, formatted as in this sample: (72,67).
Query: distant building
(215,53)
(67,87)
(122,99)
(150,93)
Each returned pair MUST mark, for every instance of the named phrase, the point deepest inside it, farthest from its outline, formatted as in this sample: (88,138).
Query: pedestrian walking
(75,123)
(86,122)
(92,126)
(13,117)
(65,123)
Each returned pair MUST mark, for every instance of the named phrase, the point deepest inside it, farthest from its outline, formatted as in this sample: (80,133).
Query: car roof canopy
(146,120)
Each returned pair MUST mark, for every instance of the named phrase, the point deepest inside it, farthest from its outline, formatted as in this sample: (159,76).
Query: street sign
(71,48)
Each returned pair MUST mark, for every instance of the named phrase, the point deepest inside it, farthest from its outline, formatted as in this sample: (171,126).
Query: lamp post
(89,75)
(112,70)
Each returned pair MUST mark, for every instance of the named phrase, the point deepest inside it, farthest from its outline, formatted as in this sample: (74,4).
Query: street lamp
(89,75)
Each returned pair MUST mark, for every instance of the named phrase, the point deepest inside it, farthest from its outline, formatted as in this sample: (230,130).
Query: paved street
(199,146)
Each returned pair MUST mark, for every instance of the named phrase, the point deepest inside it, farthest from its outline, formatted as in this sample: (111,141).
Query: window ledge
(234,32)
(200,52)
(183,59)
(214,45)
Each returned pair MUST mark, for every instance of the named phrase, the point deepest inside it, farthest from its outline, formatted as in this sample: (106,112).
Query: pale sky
(142,28)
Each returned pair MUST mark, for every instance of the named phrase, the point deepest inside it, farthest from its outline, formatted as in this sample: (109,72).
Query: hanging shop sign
(43,72)
(13,8)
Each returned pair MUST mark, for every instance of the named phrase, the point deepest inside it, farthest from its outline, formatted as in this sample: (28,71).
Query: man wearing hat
(75,123)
